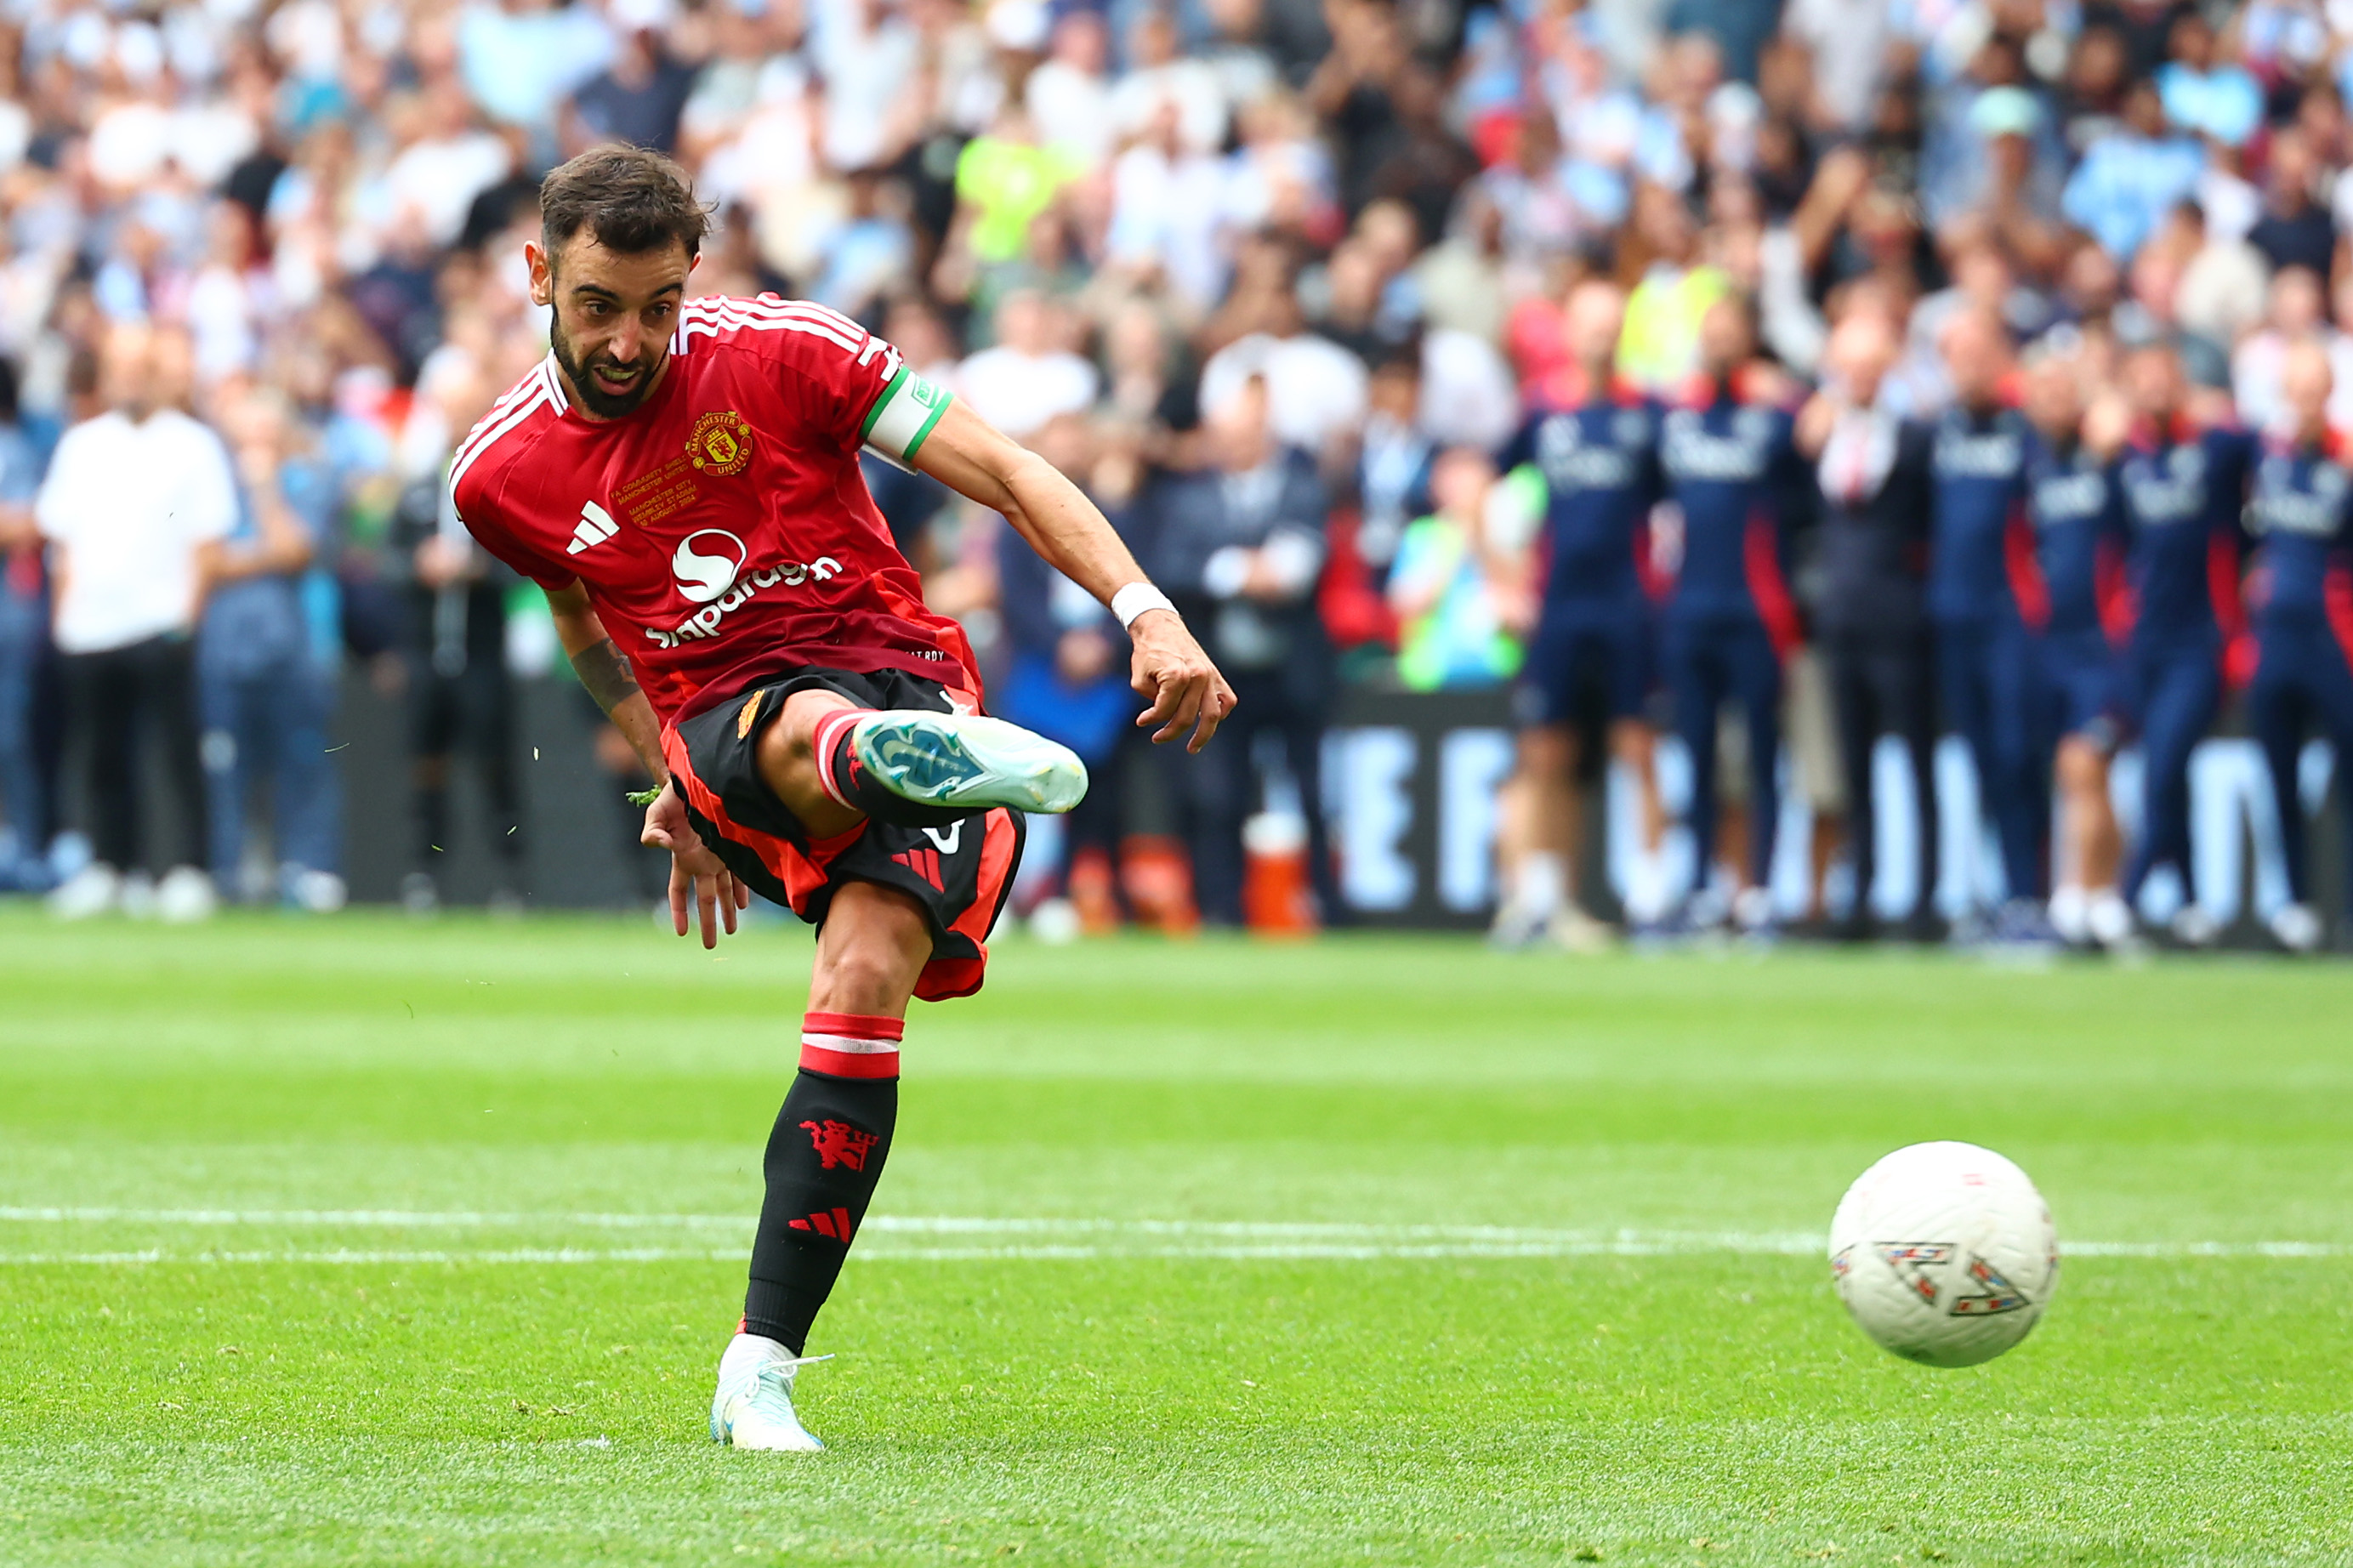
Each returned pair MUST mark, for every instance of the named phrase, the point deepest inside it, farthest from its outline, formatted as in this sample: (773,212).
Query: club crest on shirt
(721,445)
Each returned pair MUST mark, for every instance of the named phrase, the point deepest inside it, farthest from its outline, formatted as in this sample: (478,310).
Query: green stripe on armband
(903,415)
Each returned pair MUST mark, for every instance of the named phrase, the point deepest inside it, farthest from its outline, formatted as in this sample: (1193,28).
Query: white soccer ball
(1944,1253)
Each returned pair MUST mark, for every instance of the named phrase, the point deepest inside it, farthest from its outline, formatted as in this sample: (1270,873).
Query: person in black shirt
(635,100)
(1874,473)
(1239,545)
(2145,25)
(460,696)
(2295,231)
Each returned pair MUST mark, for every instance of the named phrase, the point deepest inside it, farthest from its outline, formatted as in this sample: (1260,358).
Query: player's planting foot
(754,1406)
(961,761)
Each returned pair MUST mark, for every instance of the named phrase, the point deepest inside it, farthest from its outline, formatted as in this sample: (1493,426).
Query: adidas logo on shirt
(596,526)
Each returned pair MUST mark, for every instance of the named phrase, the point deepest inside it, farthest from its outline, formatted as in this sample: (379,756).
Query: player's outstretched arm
(696,875)
(972,459)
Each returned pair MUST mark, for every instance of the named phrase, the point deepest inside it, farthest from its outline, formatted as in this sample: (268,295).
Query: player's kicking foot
(754,1406)
(964,761)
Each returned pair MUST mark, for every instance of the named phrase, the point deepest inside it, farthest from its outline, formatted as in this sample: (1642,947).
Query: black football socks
(824,1159)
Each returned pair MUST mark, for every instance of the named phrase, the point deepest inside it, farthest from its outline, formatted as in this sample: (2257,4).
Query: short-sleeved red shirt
(722,529)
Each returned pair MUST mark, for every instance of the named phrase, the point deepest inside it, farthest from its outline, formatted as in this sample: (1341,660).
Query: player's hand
(2107,425)
(1185,687)
(694,872)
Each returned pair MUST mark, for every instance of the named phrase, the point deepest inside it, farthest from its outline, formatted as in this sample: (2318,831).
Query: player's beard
(604,404)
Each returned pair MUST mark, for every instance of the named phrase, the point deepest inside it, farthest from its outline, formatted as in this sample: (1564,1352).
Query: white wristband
(1136,599)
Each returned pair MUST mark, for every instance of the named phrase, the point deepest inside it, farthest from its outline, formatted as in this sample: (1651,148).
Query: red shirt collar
(1704,391)
(2176,431)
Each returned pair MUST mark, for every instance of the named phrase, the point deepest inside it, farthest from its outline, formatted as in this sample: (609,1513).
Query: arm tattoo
(604,674)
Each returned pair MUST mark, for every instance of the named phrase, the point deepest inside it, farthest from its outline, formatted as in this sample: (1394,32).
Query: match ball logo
(721,445)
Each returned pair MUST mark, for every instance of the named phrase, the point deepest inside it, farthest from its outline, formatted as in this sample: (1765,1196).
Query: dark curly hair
(631,200)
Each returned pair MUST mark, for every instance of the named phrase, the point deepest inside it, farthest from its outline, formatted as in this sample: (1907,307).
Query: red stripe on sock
(823,1225)
(841,1223)
(857,1025)
(850,1064)
(824,739)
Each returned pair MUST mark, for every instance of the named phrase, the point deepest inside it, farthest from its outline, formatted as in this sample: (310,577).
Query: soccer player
(2302,520)
(1985,660)
(2183,489)
(681,478)
(1730,462)
(1587,675)
(2067,591)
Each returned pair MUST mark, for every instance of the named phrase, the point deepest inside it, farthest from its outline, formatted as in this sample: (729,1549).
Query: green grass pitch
(365,1241)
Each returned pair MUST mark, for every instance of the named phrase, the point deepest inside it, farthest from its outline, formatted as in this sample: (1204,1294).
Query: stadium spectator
(28,707)
(2132,176)
(2295,231)
(2205,94)
(1066,678)
(264,697)
(1025,378)
(2292,316)
(134,507)
(1239,545)
(460,698)
(1457,588)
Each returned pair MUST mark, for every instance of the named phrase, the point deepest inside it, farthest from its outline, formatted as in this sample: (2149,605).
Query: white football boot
(2109,920)
(2194,927)
(754,1406)
(964,761)
(95,889)
(186,895)
(2297,928)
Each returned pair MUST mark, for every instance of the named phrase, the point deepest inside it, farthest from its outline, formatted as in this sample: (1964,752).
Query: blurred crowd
(1289,286)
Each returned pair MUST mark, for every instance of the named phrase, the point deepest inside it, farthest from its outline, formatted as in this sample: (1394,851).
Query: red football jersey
(723,528)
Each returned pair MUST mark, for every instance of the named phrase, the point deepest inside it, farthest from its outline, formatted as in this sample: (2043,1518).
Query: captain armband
(901,418)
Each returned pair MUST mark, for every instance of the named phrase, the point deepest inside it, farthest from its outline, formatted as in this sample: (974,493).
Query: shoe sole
(726,1438)
(723,1432)
(961,760)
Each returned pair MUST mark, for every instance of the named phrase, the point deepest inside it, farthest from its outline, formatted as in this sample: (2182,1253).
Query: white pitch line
(1241,1231)
(397,1219)
(1042,1239)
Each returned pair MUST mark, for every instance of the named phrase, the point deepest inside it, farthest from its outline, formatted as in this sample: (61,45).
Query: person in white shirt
(133,510)
(1315,389)
(1068,96)
(1027,378)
